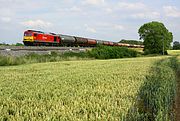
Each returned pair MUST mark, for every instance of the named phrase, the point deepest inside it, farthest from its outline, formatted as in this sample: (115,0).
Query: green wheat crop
(72,90)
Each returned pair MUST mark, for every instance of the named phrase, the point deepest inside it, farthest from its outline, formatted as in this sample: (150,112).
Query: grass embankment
(72,90)
(101,52)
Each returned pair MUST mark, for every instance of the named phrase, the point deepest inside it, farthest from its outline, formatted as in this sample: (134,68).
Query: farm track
(177,103)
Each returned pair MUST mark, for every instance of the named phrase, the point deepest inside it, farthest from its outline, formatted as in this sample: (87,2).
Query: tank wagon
(37,38)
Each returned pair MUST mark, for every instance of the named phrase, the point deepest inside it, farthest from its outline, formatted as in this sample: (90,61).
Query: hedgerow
(108,52)
(101,52)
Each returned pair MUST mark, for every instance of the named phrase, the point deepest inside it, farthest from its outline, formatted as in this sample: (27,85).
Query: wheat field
(72,90)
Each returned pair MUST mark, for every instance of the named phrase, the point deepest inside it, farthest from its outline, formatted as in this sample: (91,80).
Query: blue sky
(101,19)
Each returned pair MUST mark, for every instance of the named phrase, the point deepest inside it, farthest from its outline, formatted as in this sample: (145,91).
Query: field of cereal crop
(174,52)
(72,90)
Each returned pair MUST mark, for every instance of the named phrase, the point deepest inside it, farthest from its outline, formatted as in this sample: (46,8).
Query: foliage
(72,90)
(101,52)
(19,44)
(157,94)
(136,42)
(154,35)
(176,45)
(4,44)
(107,52)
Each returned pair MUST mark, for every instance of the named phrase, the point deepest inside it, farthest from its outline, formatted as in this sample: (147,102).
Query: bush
(101,52)
(107,52)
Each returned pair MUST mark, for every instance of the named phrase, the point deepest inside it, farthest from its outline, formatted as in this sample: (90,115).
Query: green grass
(72,90)
(174,52)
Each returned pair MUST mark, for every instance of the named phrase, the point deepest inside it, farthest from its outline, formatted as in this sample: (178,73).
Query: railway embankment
(18,51)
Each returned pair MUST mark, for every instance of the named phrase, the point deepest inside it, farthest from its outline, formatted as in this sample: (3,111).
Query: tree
(136,42)
(176,45)
(19,44)
(157,39)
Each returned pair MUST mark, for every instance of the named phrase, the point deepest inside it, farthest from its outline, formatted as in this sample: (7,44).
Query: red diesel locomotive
(37,38)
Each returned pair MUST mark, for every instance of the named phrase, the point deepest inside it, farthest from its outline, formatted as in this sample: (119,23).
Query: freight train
(38,38)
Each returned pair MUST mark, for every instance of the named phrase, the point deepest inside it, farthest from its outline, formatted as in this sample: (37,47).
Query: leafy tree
(19,44)
(176,45)
(155,35)
(4,44)
(136,42)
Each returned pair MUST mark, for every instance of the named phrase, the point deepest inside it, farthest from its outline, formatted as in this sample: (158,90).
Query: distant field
(174,52)
(137,49)
(73,90)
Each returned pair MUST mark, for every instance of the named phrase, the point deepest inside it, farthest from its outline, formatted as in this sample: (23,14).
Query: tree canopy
(136,42)
(156,37)
(176,45)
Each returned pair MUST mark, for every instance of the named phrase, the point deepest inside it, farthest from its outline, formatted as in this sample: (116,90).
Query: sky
(111,20)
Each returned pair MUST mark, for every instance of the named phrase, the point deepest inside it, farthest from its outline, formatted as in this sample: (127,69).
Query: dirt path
(177,103)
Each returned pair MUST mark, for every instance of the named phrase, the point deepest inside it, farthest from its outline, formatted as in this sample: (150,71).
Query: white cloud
(109,10)
(90,29)
(111,26)
(37,23)
(75,9)
(5,19)
(131,6)
(118,27)
(146,15)
(94,2)
(171,11)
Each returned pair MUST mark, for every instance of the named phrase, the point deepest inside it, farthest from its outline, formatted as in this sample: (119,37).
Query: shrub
(107,52)
(101,52)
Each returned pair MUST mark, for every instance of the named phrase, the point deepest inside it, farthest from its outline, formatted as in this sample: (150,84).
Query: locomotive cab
(28,37)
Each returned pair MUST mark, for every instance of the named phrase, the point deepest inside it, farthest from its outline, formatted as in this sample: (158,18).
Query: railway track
(41,48)
(24,50)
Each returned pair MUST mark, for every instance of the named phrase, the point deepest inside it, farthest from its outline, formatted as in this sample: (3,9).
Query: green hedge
(108,52)
(101,52)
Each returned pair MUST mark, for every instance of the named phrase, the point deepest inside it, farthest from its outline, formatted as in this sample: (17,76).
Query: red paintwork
(43,37)
(92,42)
